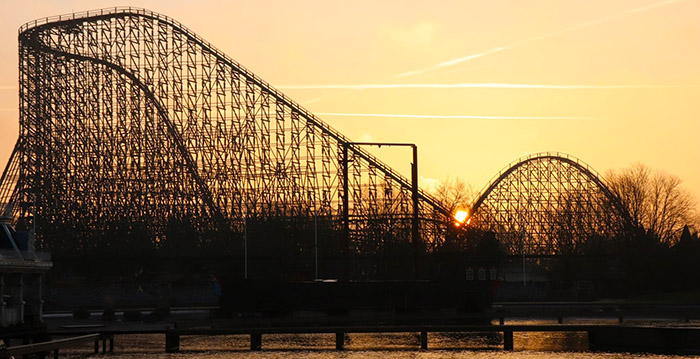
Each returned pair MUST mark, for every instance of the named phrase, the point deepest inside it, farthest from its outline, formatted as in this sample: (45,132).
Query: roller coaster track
(134,126)
(536,200)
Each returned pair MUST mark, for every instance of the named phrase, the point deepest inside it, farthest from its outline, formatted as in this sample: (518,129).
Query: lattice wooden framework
(547,204)
(133,126)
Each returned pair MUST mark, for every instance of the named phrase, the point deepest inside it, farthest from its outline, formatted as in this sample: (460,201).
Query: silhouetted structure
(140,140)
(139,137)
(548,204)
(21,269)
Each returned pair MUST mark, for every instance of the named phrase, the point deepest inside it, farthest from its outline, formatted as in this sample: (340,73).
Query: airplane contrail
(485,85)
(541,37)
(450,117)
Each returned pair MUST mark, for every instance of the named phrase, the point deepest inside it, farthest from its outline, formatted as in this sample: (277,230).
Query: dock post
(55,354)
(97,346)
(560,319)
(104,346)
(501,320)
(172,342)
(620,317)
(507,340)
(339,341)
(111,344)
(255,341)
(424,340)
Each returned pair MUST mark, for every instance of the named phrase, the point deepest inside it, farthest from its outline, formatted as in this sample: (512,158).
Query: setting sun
(460,216)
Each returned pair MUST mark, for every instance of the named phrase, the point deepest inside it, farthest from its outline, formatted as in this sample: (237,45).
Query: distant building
(21,271)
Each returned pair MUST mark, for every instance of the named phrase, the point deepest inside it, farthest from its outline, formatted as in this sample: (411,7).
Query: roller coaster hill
(145,154)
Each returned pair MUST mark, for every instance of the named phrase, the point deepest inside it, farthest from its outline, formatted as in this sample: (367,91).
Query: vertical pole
(346,216)
(522,249)
(508,340)
(424,340)
(32,236)
(415,230)
(316,246)
(172,342)
(255,341)
(339,341)
(245,247)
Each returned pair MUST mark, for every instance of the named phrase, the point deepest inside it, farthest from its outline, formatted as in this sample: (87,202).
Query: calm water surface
(370,346)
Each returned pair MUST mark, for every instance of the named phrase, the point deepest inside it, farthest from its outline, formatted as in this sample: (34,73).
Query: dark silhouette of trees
(655,201)
(657,251)
(454,194)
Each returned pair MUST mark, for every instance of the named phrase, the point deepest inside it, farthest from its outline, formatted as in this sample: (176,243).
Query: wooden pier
(623,331)
(601,336)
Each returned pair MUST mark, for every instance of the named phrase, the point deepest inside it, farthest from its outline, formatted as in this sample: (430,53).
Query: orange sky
(610,82)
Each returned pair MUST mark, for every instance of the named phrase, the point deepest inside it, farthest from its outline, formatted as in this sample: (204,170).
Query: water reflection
(366,346)
(545,345)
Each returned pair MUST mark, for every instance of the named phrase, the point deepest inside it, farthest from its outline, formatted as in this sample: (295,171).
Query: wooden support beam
(255,341)
(172,342)
(508,340)
(424,340)
(339,341)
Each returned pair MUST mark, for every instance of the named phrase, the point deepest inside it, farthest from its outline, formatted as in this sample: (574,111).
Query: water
(545,345)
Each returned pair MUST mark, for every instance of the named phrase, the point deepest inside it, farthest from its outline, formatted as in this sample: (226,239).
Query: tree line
(654,249)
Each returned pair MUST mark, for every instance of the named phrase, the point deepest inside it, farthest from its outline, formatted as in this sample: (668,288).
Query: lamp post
(415,224)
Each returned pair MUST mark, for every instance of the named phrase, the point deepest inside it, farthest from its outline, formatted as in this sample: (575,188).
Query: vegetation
(455,194)
(655,251)
(655,201)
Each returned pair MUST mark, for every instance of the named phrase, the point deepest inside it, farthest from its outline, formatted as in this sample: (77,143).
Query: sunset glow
(612,82)
(460,216)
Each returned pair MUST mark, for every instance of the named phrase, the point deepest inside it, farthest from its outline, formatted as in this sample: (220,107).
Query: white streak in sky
(541,37)
(453,62)
(484,85)
(456,117)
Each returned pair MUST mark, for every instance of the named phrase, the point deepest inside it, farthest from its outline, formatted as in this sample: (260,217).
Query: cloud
(366,137)
(541,37)
(484,85)
(453,62)
(419,34)
(428,184)
(456,117)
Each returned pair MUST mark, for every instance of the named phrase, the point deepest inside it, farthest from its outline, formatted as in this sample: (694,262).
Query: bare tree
(454,194)
(655,201)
